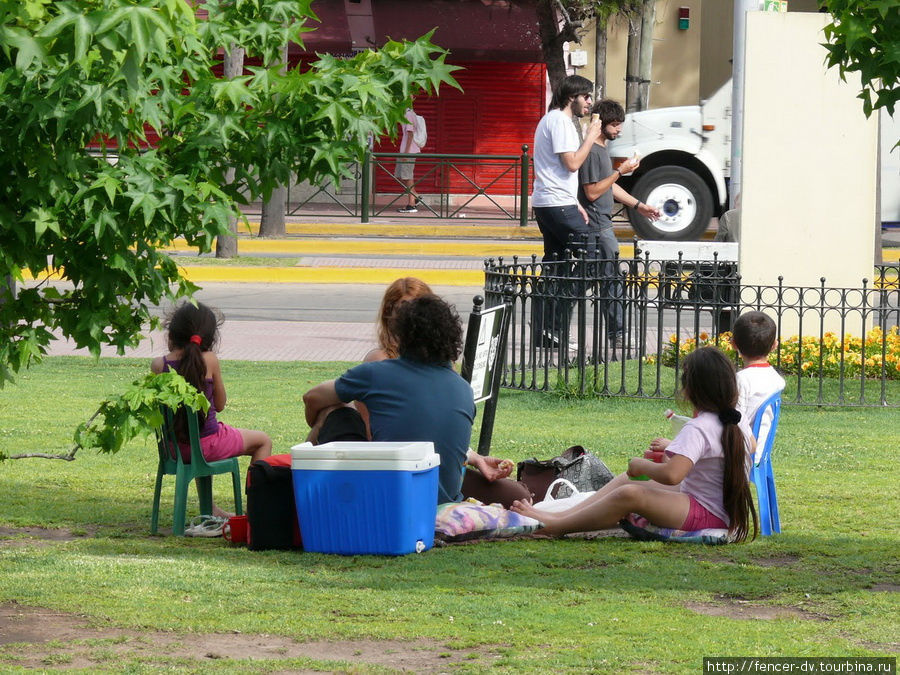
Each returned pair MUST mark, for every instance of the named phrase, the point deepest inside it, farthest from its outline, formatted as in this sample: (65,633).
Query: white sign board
(485,360)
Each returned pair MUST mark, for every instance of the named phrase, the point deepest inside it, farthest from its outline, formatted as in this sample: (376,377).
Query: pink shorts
(700,518)
(226,442)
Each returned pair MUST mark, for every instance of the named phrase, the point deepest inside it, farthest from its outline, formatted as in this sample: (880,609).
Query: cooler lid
(366,451)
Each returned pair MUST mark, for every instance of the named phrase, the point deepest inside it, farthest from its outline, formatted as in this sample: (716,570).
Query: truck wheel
(682,197)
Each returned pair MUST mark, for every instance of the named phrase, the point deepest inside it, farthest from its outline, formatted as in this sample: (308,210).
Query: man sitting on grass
(416,397)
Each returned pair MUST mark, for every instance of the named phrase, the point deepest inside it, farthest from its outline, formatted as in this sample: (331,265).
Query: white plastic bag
(551,505)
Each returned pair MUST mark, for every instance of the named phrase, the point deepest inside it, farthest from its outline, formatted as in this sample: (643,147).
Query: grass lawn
(827,586)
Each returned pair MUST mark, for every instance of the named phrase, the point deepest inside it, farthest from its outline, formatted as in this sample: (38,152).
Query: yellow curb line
(413,229)
(331,275)
(248,246)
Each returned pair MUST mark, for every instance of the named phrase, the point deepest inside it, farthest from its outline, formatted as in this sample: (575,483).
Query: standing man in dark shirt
(597,189)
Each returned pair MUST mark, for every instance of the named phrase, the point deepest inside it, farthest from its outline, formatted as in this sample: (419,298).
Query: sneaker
(205,526)
(549,340)
(408,209)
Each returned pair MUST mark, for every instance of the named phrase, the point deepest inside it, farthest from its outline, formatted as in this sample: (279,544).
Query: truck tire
(683,198)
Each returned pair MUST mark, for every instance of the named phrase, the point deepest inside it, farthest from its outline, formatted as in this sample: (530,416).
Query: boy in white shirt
(754,336)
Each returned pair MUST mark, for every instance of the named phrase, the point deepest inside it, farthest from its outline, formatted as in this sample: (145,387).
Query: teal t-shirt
(412,401)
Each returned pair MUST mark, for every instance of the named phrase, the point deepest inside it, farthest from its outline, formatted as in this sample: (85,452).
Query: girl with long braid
(704,481)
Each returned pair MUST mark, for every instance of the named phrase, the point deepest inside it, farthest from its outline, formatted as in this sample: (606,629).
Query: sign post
(482,363)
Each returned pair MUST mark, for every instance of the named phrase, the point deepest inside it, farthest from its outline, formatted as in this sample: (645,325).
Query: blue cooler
(355,498)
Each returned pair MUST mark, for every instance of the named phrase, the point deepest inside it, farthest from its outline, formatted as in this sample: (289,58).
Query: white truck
(685,156)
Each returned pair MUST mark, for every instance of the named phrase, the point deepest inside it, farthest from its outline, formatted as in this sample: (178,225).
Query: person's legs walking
(563,229)
(405,170)
(612,290)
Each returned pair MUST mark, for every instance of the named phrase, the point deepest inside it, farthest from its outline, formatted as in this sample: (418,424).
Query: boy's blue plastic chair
(171,464)
(761,472)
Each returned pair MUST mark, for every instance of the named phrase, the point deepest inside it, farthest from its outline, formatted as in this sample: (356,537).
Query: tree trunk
(600,59)
(648,19)
(633,65)
(233,62)
(271,223)
(551,42)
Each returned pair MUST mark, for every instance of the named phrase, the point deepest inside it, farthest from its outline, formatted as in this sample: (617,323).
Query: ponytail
(737,500)
(193,330)
(708,382)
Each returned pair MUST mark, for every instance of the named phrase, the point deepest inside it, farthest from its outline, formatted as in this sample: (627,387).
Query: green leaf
(28,49)
(109,184)
(83,33)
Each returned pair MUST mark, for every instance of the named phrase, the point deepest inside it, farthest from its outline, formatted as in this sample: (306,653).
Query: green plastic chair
(172,464)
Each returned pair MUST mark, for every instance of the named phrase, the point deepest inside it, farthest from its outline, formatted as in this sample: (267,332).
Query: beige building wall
(676,56)
(688,65)
(716,43)
(809,175)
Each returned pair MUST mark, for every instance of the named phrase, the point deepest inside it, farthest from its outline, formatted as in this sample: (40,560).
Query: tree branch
(43,455)
(571,29)
(562,10)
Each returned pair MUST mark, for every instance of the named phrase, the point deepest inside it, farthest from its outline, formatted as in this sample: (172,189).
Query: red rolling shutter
(495,114)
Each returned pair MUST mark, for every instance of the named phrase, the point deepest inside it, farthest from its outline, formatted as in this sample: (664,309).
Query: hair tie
(197,340)
(730,416)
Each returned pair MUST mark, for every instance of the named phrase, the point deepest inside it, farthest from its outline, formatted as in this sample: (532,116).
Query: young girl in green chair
(193,333)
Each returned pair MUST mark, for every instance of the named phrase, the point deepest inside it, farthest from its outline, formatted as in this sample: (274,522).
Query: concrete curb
(330,275)
(401,247)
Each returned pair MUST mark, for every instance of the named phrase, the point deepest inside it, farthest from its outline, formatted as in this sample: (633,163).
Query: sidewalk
(262,341)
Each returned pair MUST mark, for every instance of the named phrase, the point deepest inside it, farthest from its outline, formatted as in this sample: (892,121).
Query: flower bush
(829,356)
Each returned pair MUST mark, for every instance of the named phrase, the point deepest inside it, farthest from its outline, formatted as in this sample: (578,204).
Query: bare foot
(550,521)
(525,508)
(219,513)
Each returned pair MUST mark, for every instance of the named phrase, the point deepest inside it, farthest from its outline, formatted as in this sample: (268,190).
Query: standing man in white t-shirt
(558,155)
(406,166)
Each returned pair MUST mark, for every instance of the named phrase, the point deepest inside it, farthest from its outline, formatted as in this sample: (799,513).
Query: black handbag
(583,469)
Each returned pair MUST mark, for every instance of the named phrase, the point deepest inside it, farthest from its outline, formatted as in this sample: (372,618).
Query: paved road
(288,322)
(340,303)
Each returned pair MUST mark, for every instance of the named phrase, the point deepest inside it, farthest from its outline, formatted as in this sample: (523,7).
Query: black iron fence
(585,326)
(489,187)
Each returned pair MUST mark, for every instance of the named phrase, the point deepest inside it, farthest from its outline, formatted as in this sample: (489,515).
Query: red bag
(271,511)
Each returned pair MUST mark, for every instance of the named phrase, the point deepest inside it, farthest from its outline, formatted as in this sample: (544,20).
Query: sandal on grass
(205,526)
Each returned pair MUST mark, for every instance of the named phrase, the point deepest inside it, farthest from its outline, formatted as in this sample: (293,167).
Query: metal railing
(838,346)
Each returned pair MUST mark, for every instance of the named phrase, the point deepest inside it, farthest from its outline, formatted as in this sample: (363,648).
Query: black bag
(271,513)
(583,469)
